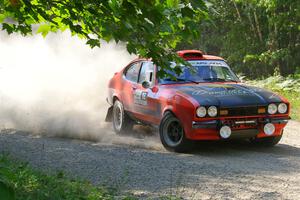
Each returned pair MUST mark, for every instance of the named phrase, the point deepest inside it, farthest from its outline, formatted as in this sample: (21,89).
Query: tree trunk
(251,23)
(257,26)
(237,11)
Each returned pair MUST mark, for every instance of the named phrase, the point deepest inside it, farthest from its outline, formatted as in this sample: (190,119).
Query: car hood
(228,95)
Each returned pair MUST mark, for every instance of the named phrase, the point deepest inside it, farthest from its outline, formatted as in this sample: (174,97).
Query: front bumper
(237,122)
(241,127)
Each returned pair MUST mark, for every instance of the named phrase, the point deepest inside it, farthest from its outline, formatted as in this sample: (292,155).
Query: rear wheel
(267,141)
(172,134)
(121,121)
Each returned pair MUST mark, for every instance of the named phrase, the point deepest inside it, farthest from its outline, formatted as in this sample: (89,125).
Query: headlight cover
(212,111)
(282,108)
(201,111)
(272,108)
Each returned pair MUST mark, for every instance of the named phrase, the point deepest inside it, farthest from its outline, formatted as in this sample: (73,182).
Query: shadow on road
(232,146)
(219,148)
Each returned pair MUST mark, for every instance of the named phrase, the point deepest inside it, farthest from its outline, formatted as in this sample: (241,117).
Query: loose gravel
(231,170)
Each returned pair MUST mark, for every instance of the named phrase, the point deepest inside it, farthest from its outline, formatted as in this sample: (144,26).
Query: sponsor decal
(227,90)
(233,92)
(222,93)
(140,97)
(208,63)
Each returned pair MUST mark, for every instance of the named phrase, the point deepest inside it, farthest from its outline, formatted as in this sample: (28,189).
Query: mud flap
(108,117)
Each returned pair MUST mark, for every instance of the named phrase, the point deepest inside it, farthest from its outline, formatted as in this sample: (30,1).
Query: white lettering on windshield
(208,63)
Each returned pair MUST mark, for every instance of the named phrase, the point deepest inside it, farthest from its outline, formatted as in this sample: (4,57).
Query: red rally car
(206,101)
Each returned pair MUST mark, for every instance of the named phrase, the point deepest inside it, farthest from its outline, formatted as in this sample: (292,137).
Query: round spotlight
(272,108)
(225,132)
(269,129)
(201,111)
(212,111)
(282,108)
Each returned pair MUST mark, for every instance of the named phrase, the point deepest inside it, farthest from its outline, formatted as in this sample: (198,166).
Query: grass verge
(19,181)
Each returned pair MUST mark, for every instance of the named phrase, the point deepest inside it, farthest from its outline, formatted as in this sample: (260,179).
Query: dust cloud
(57,86)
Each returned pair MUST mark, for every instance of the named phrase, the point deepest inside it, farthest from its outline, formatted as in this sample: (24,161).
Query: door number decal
(140,97)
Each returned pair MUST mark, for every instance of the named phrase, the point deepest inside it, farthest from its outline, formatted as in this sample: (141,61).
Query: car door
(145,99)
(130,79)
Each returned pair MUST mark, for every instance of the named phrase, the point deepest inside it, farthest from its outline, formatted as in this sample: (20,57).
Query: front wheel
(172,134)
(121,121)
(267,141)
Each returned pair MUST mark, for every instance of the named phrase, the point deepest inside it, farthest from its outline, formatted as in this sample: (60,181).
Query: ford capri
(206,101)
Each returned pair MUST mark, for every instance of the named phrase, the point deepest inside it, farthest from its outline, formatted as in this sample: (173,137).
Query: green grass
(19,181)
(288,87)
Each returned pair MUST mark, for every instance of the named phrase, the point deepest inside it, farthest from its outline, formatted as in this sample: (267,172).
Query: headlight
(201,111)
(272,108)
(282,108)
(212,111)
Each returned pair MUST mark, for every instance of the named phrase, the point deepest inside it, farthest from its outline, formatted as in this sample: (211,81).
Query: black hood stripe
(228,95)
(251,91)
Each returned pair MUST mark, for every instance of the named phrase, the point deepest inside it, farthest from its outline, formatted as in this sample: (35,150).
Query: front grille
(243,111)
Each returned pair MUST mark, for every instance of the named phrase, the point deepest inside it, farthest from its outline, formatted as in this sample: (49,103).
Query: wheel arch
(168,109)
(115,97)
(172,113)
(109,115)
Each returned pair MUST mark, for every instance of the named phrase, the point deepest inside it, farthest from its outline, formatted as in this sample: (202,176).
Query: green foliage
(257,37)
(19,181)
(6,187)
(151,28)
(288,87)
(44,29)
(6,192)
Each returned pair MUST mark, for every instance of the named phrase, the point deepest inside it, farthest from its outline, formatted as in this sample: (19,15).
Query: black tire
(172,134)
(122,123)
(267,141)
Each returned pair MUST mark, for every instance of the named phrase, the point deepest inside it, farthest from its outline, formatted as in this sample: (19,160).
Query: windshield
(202,71)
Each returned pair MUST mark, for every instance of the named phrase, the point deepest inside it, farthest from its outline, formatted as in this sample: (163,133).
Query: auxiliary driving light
(225,132)
(269,129)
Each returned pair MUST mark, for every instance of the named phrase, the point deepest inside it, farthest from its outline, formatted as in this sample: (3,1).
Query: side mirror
(145,84)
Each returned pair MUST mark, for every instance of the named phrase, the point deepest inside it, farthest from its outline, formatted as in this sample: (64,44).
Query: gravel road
(232,170)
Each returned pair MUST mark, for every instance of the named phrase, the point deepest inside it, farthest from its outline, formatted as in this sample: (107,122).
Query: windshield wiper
(181,79)
(219,79)
(214,79)
(232,81)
